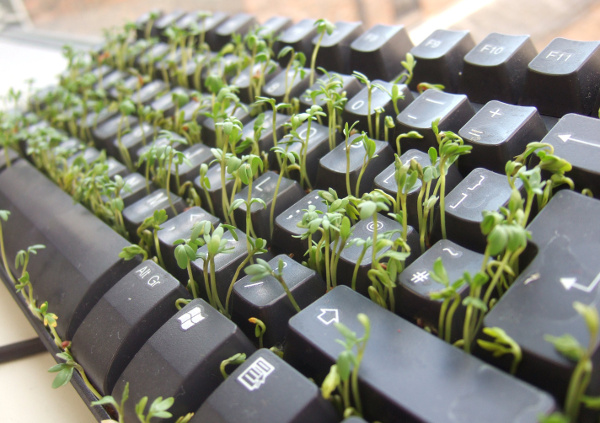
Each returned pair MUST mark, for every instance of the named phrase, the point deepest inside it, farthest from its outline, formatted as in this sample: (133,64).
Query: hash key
(564,78)
(124,318)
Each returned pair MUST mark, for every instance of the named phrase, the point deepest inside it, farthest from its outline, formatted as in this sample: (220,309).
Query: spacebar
(80,261)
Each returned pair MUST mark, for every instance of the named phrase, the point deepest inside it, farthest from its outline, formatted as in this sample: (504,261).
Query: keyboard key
(209,25)
(139,136)
(265,139)
(185,355)
(213,194)
(495,68)
(334,51)
(135,214)
(348,84)
(164,103)
(123,320)
(540,301)
(264,188)
(574,139)
(298,36)
(63,273)
(564,78)
(167,20)
(351,254)
(498,132)
(332,166)
(386,182)
(415,284)
(145,21)
(197,155)
(274,26)
(267,300)
(295,82)
(242,80)
(106,132)
(440,58)
(136,188)
(481,190)
(404,367)
(148,92)
(286,233)
(240,23)
(453,111)
(266,389)
(379,51)
(239,111)
(357,107)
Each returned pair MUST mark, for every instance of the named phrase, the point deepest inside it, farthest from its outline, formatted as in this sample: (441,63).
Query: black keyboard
(352,227)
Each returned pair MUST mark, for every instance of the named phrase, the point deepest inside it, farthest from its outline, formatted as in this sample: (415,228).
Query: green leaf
(181,256)
(63,377)
(344,364)
(567,345)
(4,214)
(331,382)
(367,209)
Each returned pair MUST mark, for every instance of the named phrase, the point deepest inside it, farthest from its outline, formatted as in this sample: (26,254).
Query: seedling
(502,344)
(24,285)
(65,372)
(296,63)
(259,330)
(335,99)
(126,107)
(370,148)
(288,161)
(450,297)
(276,108)
(343,376)
(407,74)
(262,269)
(235,359)
(148,233)
(187,249)
(323,26)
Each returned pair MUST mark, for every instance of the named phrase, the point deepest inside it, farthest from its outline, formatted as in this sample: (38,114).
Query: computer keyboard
(191,149)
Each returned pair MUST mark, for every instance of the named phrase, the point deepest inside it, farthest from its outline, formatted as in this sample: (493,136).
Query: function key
(379,51)
(440,58)
(495,68)
(564,78)
(498,132)
(240,24)
(453,111)
(334,52)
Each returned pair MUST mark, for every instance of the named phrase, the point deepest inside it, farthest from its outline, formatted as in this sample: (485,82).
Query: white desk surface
(26,394)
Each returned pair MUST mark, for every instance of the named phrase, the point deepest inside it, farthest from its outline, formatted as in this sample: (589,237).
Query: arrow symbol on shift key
(568,137)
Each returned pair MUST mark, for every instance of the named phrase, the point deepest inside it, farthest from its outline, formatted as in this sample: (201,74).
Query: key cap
(540,301)
(167,20)
(135,214)
(316,147)
(196,109)
(106,132)
(139,136)
(378,51)
(115,168)
(415,284)
(212,195)
(63,273)
(239,111)
(296,84)
(242,81)
(265,138)
(264,188)
(143,21)
(299,36)
(185,353)
(93,119)
(147,93)
(574,138)
(334,52)
(453,110)
(123,320)
(357,108)
(495,68)
(286,233)
(564,78)
(274,26)
(481,190)
(165,104)
(440,58)
(332,166)
(351,254)
(346,83)
(136,184)
(197,155)
(498,132)
(152,56)
(404,367)
(180,227)
(386,182)
(209,24)
(266,299)
(111,80)
(240,23)
(163,139)
(266,389)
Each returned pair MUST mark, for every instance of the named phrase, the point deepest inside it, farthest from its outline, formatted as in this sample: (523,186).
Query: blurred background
(542,19)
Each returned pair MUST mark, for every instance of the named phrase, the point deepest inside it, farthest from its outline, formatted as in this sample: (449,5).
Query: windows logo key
(256,374)
(190,318)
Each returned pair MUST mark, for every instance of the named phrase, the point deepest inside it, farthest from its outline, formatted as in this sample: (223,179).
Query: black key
(332,167)
(123,320)
(213,193)
(415,284)
(240,23)
(265,138)
(63,273)
(379,51)
(357,107)
(242,80)
(334,52)
(161,141)
(481,190)
(136,188)
(121,89)
(165,104)
(386,182)
(147,93)
(185,354)
(196,109)
(195,69)
(266,389)
(209,25)
(564,78)
(316,147)
(298,36)
(296,84)
(498,132)
(89,155)
(197,155)
(440,58)
(167,20)
(239,111)
(135,214)
(404,367)
(143,21)
(347,83)
(139,136)
(266,299)
(495,68)
(115,168)
(147,60)
(453,111)
(93,119)
(575,139)
(111,80)
(274,26)
(286,233)
(351,254)
(106,132)
(540,301)
(264,188)
(180,227)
